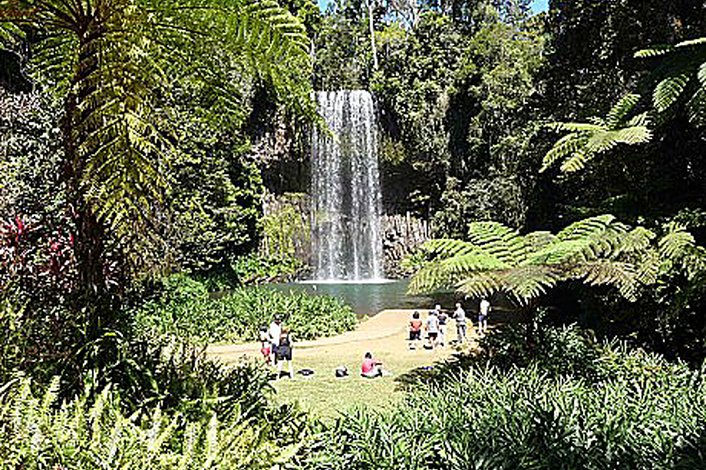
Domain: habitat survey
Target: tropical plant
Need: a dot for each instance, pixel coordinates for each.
(187, 311)
(681, 74)
(585, 141)
(614, 407)
(597, 251)
(93, 433)
(112, 64)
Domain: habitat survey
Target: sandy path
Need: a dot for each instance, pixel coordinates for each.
(385, 334)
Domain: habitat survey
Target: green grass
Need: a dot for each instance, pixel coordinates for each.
(325, 396)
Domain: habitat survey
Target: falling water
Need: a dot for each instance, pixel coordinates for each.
(346, 189)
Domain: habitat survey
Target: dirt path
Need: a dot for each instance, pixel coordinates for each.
(388, 324)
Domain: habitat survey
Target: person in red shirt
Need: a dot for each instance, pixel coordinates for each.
(370, 368)
(415, 330)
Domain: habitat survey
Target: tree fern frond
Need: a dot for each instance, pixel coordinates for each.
(530, 281)
(669, 90)
(577, 161)
(574, 126)
(649, 267)
(676, 243)
(499, 241)
(696, 107)
(655, 51)
(621, 109)
(641, 120)
(446, 247)
(564, 147)
(692, 42)
(480, 284)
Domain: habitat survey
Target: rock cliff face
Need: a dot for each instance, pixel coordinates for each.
(287, 231)
(401, 234)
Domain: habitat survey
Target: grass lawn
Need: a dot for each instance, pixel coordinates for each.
(323, 394)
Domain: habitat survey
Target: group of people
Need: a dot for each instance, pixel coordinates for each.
(276, 346)
(277, 343)
(436, 325)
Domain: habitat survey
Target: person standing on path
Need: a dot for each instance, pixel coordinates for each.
(443, 320)
(483, 312)
(460, 317)
(415, 330)
(433, 329)
(275, 333)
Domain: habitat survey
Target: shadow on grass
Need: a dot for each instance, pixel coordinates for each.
(440, 371)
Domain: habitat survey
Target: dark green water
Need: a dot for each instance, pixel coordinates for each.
(369, 299)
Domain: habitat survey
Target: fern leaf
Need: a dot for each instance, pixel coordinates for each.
(498, 241)
(576, 162)
(480, 284)
(574, 127)
(567, 145)
(655, 51)
(530, 281)
(676, 243)
(668, 91)
(621, 109)
(692, 42)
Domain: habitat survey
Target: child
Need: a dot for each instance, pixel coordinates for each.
(415, 330)
(265, 345)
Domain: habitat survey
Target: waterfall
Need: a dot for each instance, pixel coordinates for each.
(345, 188)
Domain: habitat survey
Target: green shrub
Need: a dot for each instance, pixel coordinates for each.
(616, 408)
(36, 432)
(189, 312)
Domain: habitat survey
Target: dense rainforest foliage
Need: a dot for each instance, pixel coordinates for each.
(142, 143)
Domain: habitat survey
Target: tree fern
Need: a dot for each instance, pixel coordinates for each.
(585, 141)
(680, 73)
(597, 251)
(112, 61)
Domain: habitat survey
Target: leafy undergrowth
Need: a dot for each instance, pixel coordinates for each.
(185, 308)
(36, 431)
(588, 406)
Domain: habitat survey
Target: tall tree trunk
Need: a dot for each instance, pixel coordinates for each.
(90, 300)
(372, 35)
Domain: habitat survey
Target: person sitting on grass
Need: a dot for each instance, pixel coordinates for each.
(415, 330)
(283, 353)
(371, 368)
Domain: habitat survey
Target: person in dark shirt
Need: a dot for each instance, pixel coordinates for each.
(283, 352)
(415, 330)
(443, 321)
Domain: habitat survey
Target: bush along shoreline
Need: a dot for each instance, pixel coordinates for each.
(186, 308)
